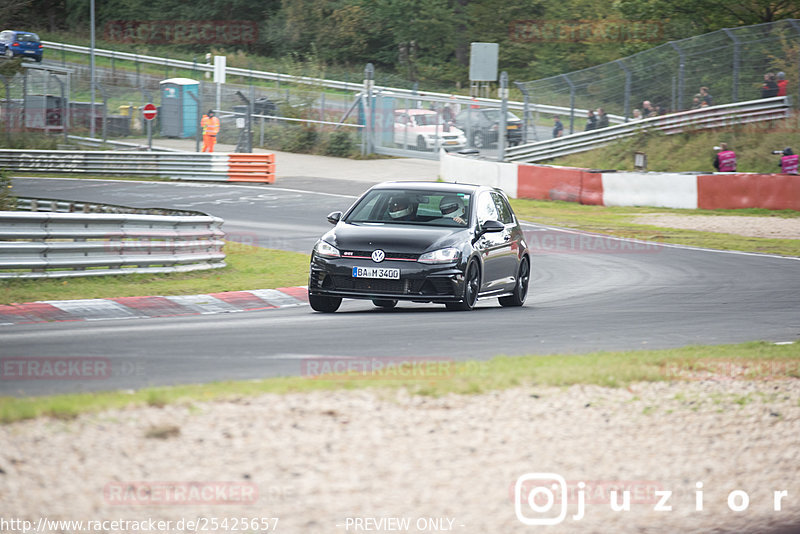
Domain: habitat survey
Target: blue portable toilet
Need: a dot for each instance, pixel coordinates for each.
(179, 113)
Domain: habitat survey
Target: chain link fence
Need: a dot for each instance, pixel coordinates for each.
(55, 97)
(730, 63)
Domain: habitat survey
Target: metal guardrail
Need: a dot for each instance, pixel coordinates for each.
(95, 142)
(68, 206)
(175, 165)
(49, 245)
(308, 80)
(767, 109)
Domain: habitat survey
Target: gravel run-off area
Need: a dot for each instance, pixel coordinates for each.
(444, 464)
(774, 227)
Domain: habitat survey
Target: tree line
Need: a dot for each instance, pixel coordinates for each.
(423, 40)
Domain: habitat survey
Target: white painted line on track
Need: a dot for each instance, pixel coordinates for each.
(536, 226)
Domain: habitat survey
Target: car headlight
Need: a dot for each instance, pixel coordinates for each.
(326, 249)
(443, 255)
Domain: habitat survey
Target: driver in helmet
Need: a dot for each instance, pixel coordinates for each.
(401, 208)
(452, 207)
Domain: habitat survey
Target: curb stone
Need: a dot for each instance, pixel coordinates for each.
(48, 311)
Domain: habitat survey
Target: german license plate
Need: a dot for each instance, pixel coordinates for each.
(514, 127)
(376, 272)
(451, 142)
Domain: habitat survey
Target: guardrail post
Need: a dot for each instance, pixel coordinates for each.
(736, 47)
(525, 111)
(571, 103)
(502, 128)
(369, 82)
(627, 71)
(681, 67)
(196, 99)
(796, 26)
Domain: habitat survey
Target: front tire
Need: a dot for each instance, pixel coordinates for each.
(472, 285)
(324, 304)
(521, 289)
(422, 146)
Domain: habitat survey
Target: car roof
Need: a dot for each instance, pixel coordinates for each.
(431, 186)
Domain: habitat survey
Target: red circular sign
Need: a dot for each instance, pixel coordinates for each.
(149, 111)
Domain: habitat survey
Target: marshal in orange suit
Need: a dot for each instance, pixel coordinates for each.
(210, 124)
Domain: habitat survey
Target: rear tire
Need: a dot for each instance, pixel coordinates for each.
(324, 304)
(472, 285)
(9, 53)
(521, 289)
(384, 303)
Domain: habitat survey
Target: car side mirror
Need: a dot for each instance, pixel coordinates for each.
(489, 227)
(334, 217)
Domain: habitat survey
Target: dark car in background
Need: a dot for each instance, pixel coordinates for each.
(481, 126)
(423, 242)
(17, 43)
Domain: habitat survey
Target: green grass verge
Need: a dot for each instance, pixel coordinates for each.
(620, 222)
(248, 268)
(694, 151)
(752, 361)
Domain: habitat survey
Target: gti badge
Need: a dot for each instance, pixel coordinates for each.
(378, 256)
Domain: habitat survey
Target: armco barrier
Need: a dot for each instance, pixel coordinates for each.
(469, 170)
(220, 167)
(739, 191)
(45, 245)
(664, 190)
(650, 189)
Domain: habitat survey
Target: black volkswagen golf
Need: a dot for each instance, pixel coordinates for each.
(422, 242)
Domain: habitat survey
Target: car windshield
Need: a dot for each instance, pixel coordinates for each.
(412, 207)
(428, 119)
(494, 115)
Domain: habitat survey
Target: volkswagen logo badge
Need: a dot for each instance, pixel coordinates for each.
(378, 256)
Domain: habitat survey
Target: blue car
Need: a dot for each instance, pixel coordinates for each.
(25, 44)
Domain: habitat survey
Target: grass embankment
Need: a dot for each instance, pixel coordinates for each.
(248, 268)
(621, 222)
(694, 151)
(750, 361)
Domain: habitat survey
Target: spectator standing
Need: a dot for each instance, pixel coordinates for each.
(591, 121)
(789, 161)
(648, 110)
(637, 115)
(602, 119)
(705, 96)
(782, 82)
(725, 161)
(558, 127)
(696, 101)
(770, 87)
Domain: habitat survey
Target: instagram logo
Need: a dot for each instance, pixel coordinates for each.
(539, 491)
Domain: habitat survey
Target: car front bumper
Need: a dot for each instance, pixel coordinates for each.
(333, 277)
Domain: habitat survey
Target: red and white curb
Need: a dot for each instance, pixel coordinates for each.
(144, 307)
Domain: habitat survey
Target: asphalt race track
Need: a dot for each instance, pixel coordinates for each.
(587, 293)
